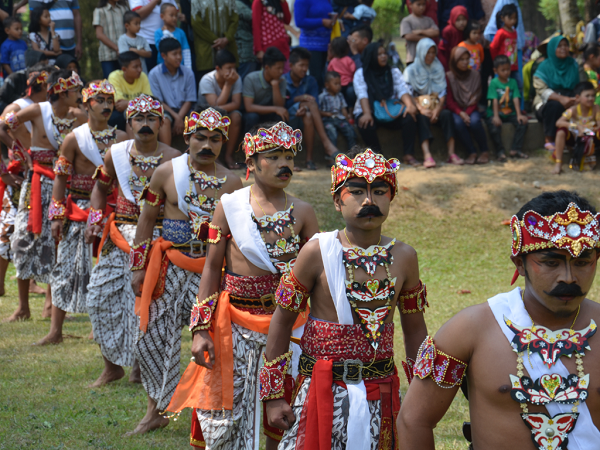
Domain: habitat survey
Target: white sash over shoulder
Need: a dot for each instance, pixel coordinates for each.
(181, 175)
(46, 109)
(24, 103)
(87, 144)
(120, 158)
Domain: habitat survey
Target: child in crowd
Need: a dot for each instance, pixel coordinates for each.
(131, 42)
(334, 110)
(579, 128)
(591, 66)
(472, 43)
(362, 14)
(504, 102)
(417, 26)
(108, 23)
(168, 14)
(42, 36)
(344, 66)
(452, 34)
(12, 51)
(505, 40)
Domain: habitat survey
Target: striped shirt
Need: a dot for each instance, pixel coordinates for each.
(110, 18)
(61, 14)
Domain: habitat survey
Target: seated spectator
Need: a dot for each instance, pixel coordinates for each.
(131, 41)
(427, 78)
(42, 36)
(417, 26)
(504, 101)
(264, 91)
(334, 110)
(129, 82)
(554, 81)
(344, 66)
(269, 18)
(472, 43)
(358, 40)
(591, 66)
(452, 34)
(301, 102)
(362, 14)
(108, 22)
(223, 88)
(168, 14)
(69, 62)
(12, 51)
(579, 129)
(376, 83)
(464, 91)
(174, 85)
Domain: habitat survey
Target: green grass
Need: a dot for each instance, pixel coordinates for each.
(451, 216)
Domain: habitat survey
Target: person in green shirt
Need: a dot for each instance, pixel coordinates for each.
(504, 107)
(591, 66)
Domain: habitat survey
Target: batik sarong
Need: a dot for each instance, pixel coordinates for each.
(7, 220)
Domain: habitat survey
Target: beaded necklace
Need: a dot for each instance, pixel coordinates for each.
(144, 162)
(104, 137)
(61, 127)
(204, 182)
(138, 183)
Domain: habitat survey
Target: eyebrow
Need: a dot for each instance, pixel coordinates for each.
(551, 254)
(356, 184)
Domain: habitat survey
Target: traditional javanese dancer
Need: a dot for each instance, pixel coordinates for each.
(190, 187)
(347, 391)
(532, 355)
(32, 243)
(231, 317)
(81, 153)
(110, 298)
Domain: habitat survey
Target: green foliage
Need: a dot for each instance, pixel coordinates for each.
(389, 14)
(90, 65)
(550, 10)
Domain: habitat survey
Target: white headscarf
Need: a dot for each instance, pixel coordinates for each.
(425, 79)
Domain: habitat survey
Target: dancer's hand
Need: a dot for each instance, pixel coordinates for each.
(280, 414)
(91, 233)
(203, 343)
(56, 227)
(136, 281)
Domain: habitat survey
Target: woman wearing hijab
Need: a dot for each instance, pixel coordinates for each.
(464, 91)
(374, 82)
(554, 81)
(427, 77)
(269, 18)
(453, 33)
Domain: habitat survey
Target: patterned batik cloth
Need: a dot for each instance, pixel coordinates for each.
(71, 273)
(33, 256)
(7, 222)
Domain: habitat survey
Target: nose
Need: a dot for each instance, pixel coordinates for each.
(369, 198)
(566, 276)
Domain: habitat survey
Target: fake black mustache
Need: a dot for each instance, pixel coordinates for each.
(206, 152)
(370, 210)
(145, 130)
(108, 111)
(283, 171)
(566, 290)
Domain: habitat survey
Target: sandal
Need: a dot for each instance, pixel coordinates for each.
(310, 165)
(517, 154)
(429, 163)
(455, 159)
(484, 158)
(411, 161)
(471, 159)
(502, 157)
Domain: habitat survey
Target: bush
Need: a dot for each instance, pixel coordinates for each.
(389, 15)
(550, 10)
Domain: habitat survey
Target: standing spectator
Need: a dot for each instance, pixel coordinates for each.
(149, 11)
(452, 34)
(334, 110)
(362, 14)
(131, 41)
(591, 67)
(108, 22)
(67, 19)
(464, 91)
(492, 25)
(12, 51)
(244, 39)
(42, 36)
(315, 18)
(358, 40)
(223, 88)
(174, 85)
(474, 10)
(269, 18)
(430, 11)
(214, 23)
(344, 66)
(472, 43)
(417, 26)
(374, 82)
(168, 14)
(505, 40)
(6, 10)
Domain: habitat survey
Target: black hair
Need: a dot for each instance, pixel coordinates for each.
(500, 60)
(39, 67)
(592, 49)
(299, 54)
(129, 16)
(550, 203)
(224, 57)
(507, 10)
(330, 75)
(168, 45)
(14, 87)
(8, 22)
(471, 26)
(272, 56)
(367, 2)
(364, 31)
(53, 78)
(340, 47)
(34, 17)
(418, 1)
(62, 61)
(166, 6)
(103, 3)
(583, 86)
(127, 58)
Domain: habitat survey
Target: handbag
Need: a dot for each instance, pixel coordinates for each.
(428, 101)
(388, 110)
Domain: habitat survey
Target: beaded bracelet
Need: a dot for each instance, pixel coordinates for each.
(138, 255)
(95, 216)
(445, 370)
(57, 209)
(214, 234)
(413, 300)
(291, 294)
(101, 175)
(202, 313)
(272, 377)
(63, 166)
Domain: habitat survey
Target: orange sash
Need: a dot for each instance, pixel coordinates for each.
(115, 236)
(34, 223)
(75, 213)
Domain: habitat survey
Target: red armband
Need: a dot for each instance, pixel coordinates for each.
(150, 197)
(202, 313)
(95, 216)
(63, 166)
(414, 300)
(445, 370)
(214, 234)
(138, 255)
(101, 176)
(18, 151)
(57, 209)
(291, 294)
(272, 377)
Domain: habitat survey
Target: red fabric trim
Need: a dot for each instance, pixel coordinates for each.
(75, 213)
(34, 223)
(14, 168)
(272, 432)
(319, 414)
(196, 436)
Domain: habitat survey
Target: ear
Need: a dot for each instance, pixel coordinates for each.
(519, 263)
(187, 138)
(337, 201)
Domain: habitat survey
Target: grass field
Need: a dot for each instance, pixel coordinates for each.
(451, 215)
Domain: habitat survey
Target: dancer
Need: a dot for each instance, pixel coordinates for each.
(81, 153)
(347, 391)
(32, 243)
(174, 266)
(231, 317)
(110, 297)
(532, 355)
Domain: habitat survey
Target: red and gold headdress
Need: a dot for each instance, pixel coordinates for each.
(210, 119)
(368, 165)
(94, 89)
(63, 85)
(279, 135)
(144, 104)
(573, 230)
(37, 78)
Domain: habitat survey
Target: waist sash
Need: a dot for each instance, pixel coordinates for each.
(34, 222)
(75, 213)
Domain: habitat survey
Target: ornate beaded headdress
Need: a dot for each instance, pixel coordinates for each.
(144, 104)
(63, 85)
(279, 135)
(94, 89)
(210, 119)
(368, 165)
(37, 78)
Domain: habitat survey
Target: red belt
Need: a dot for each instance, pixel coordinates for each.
(74, 212)
(34, 223)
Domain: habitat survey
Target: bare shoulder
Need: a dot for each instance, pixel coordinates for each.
(163, 170)
(401, 251)
(13, 107)
(311, 249)
(121, 136)
(594, 308)
(233, 183)
(300, 206)
(31, 110)
(78, 114)
(168, 152)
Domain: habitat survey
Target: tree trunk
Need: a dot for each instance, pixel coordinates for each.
(569, 16)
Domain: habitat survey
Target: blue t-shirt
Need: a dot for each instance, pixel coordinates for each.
(180, 36)
(13, 54)
(308, 85)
